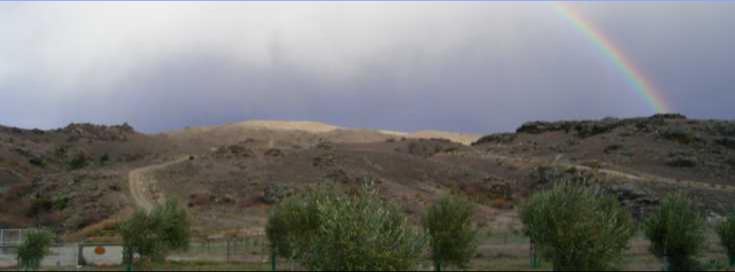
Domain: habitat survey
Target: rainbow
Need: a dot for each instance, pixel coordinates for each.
(635, 78)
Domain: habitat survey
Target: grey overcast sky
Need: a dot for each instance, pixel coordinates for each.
(468, 66)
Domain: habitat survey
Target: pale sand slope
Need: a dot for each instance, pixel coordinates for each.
(318, 127)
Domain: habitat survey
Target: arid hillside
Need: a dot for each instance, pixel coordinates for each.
(82, 179)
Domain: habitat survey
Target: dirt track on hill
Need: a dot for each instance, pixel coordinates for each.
(143, 186)
(638, 177)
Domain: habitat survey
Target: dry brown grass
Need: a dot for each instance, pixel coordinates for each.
(95, 231)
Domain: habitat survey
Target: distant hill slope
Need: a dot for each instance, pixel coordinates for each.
(302, 133)
(668, 145)
(228, 176)
(69, 177)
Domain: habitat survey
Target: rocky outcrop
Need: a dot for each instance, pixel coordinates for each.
(499, 138)
(77, 131)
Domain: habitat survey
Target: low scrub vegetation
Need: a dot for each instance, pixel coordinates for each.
(78, 162)
(578, 227)
(677, 233)
(726, 231)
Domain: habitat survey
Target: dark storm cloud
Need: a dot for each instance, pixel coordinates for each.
(475, 67)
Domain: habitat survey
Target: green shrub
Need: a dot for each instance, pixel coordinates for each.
(726, 231)
(275, 192)
(288, 222)
(452, 237)
(324, 229)
(578, 227)
(676, 230)
(39, 205)
(33, 249)
(680, 134)
(152, 235)
(37, 162)
(104, 158)
(173, 225)
(79, 161)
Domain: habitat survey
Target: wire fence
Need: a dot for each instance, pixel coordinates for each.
(65, 256)
(235, 249)
(11, 237)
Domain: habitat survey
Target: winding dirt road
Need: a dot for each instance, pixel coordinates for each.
(143, 186)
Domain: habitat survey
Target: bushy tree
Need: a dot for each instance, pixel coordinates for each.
(79, 161)
(33, 249)
(578, 227)
(329, 230)
(676, 230)
(139, 236)
(726, 231)
(288, 223)
(452, 236)
(173, 225)
(152, 235)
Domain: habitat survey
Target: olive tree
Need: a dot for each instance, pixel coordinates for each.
(288, 223)
(324, 229)
(677, 232)
(726, 231)
(452, 236)
(173, 225)
(33, 249)
(578, 227)
(152, 235)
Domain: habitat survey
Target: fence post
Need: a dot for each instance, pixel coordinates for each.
(533, 256)
(273, 260)
(227, 246)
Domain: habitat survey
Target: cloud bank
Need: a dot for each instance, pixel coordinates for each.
(473, 66)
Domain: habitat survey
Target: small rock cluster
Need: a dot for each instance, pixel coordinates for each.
(97, 132)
